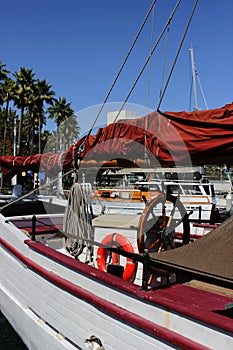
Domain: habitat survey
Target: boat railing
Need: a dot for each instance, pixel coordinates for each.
(135, 257)
(150, 262)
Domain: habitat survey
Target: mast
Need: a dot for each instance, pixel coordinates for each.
(14, 136)
(194, 74)
(196, 79)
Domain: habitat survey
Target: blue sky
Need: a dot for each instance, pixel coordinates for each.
(79, 46)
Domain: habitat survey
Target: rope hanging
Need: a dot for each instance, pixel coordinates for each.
(77, 219)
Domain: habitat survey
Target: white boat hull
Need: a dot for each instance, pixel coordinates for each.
(60, 302)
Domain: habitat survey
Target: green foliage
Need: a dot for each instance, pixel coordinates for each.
(25, 105)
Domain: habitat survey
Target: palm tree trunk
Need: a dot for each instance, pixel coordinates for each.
(32, 139)
(18, 152)
(39, 134)
(5, 127)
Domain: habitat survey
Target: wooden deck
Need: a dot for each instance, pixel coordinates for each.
(210, 288)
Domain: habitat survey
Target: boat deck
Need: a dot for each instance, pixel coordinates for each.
(210, 288)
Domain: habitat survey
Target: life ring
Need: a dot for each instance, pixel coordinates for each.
(119, 241)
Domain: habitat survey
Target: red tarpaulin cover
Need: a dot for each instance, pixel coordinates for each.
(170, 138)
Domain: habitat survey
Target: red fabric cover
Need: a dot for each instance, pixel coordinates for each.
(170, 138)
(12, 165)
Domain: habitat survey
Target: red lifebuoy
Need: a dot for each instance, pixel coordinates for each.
(119, 241)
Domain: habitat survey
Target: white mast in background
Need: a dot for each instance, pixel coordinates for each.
(195, 76)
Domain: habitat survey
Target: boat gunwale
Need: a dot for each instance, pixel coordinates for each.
(150, 296)
(105, 306)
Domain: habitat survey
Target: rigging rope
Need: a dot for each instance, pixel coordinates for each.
(148, 59)
(120, 70)
(190, 94)
(82, 146)
(164, 63)
(178, 52)
(139, 75)
(202, 91)
(149, 68)
(148, 86)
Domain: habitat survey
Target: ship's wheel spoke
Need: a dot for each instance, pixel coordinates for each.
(159, 221)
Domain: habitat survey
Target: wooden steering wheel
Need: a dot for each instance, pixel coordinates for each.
(158, 221)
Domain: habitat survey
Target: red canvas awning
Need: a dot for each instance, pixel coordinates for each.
(200, 137)
(165, 139)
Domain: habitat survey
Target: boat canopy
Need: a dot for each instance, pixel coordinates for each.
(157, 139)
(208, 259)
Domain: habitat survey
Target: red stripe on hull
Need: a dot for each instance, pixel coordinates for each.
(106, 306)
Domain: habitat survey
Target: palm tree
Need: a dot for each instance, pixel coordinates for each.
(44, 95)
(69, 130)
(7, 92)
(46, 137)
(3, 72)
(24, 81)
(59, 112)
(12, 131)
(7, 86)
(50, 141)
(31, 119)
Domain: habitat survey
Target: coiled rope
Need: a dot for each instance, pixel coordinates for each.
(77, 219)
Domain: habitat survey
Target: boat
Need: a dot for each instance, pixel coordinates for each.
(197, 195)
(72, 280)
(114, 294)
